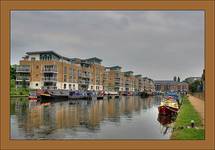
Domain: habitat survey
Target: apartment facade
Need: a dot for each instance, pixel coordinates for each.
(46, 69)
(49, 70)
(139, 84)
(114, 79)
(129, 81)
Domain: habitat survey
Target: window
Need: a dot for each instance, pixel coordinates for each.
(70, 86)
(65, 71)
(37, 67)
(91, 87)
(65, 80)
(36, 84)
(64, 86)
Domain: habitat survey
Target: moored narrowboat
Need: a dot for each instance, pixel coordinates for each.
(168, 106)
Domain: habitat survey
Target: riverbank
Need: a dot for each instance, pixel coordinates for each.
(199, 95)
(182, 129)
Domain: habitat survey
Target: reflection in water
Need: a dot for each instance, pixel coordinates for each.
(123, 118)
(166, 122)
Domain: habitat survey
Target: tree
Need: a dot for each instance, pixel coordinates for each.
(179, 79)
(175, 78)
(194, 87)
(12, 72)
(203, 80)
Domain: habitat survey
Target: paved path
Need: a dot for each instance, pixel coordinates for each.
(198, 104)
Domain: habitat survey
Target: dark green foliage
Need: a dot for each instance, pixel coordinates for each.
(195, 86)
(12, 72)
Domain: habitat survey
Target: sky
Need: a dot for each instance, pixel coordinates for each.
(156, 44)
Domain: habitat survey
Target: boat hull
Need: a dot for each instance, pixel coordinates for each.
(166, 110)
(32, 98)
(53, 98)
(100, 97)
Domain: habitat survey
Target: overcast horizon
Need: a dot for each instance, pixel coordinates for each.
(156, 44)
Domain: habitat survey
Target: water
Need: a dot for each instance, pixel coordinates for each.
(123, 118)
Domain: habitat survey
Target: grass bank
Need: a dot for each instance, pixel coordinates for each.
(186, 114)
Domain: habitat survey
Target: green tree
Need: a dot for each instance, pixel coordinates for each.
(12, 72)
(193, 87)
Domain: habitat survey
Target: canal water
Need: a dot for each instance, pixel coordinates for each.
(124, 118)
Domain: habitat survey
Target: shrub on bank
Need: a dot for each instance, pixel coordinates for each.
(19, 91)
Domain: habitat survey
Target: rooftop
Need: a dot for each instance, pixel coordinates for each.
(165, 82)
(138, 75)
(94, 59)
(47, 52)
(114, 67)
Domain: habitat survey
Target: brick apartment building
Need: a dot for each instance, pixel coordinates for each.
(47, 69)
(170, 85)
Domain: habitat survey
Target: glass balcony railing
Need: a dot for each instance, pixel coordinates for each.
(50, 70)
(22, 69)
(21, 78)
(84, 75)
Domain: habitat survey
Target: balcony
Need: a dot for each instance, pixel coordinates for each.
(50, 70)
(83, 82)
(117, 81)
(82, 75)
(23, 69)
(21, 78)
(49, 79)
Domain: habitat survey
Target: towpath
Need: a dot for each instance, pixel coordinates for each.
(198, 104)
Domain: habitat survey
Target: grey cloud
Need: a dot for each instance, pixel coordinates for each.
(158, 44)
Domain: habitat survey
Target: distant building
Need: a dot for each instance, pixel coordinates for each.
(170, 85)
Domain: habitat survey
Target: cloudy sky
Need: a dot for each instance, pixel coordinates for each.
(157, 44)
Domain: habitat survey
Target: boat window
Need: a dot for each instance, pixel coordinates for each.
(36, 84)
